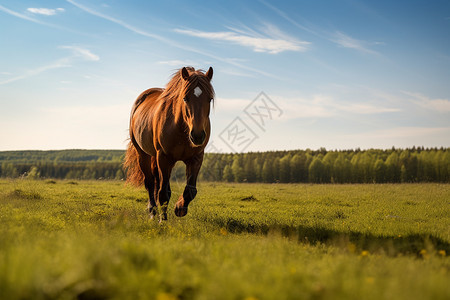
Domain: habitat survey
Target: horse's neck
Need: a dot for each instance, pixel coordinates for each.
(175, 114)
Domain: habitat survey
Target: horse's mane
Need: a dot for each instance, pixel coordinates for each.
(177, 88)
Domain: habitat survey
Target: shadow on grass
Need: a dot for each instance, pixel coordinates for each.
(19, 194)
(412, 244)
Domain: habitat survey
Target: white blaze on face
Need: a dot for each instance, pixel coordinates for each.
(197, 92)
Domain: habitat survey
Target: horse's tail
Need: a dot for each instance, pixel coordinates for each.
(135, 176)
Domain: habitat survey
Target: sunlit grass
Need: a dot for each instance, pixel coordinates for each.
(92, 239)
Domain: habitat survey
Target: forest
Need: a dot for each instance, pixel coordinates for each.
(415, 164)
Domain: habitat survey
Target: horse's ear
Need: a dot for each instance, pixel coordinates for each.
(184, 73)
(209, 74)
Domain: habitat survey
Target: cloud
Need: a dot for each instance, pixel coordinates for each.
(79, 126)
(28, 18)
(290, 20)
(168, 41)
(234, 72)
(347, 41)
(338, 37)
(177, 63)
(439, 105)
(398, 137)
(272, 45)
(62, 63)
(58, 64)
(402, 132)
(19, 15)
(317, 106)
(363, 108)
(117, 21)
(45, 11)
(323, 106)
(83, 53)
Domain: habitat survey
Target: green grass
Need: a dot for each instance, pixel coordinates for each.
(92, 239)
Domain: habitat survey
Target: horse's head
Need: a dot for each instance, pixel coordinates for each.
(197, 97)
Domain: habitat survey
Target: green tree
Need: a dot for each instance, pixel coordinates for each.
(267, 174)
(119, 175)
(9, 170)
(285, 172)
(228, 174)
(328, 163)
(299, 171)
(249, 169)
(393, 167)
(379, 171)
(341, 169)
(276, 169)
(238, 170)
(316, 171)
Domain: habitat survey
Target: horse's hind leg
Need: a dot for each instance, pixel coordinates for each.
(145, 162)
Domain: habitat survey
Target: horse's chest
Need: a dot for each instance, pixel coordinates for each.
(181, 151)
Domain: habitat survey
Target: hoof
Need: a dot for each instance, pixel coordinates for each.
(152, 212)
(181, 211)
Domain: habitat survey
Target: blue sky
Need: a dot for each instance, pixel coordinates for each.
(342, 74)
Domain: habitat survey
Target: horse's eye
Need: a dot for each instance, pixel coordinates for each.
(185, 99)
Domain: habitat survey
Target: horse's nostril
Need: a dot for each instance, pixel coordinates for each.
(198, 139)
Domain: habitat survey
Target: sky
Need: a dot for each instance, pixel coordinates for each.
(287, 74)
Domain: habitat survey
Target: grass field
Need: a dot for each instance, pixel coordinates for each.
(93, 240)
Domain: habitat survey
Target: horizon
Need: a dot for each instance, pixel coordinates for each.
(422, 148)
(291, 75)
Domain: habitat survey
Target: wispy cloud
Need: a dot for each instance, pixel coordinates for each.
(28, 18)
(66, 62)
(338, 37)
(439, 105)
(117, 21)
(82, 53)
(178, 63)
(21, 16)
(289, 19)
(401, 132)
(266, 44)
(45, 11)
(363, 108)
(347, 41)
(61, 63)
(168, 41)
(316, 106)
(407, 136)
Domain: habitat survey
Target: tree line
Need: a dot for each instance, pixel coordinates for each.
(322, 166)
(63, 164)
(306, 166)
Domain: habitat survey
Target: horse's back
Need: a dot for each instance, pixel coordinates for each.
(142, 113)
(152, 93)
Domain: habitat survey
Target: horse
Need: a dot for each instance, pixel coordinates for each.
(166, 126)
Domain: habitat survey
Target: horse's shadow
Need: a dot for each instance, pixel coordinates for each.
(411, 244)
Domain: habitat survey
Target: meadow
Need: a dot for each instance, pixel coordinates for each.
(63, 239)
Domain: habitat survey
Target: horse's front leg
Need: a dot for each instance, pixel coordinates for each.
(165, 166)
(190, 191)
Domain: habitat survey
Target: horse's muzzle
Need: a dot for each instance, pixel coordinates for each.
(197, 138)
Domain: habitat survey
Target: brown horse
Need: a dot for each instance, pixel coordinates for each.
(166, 126)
